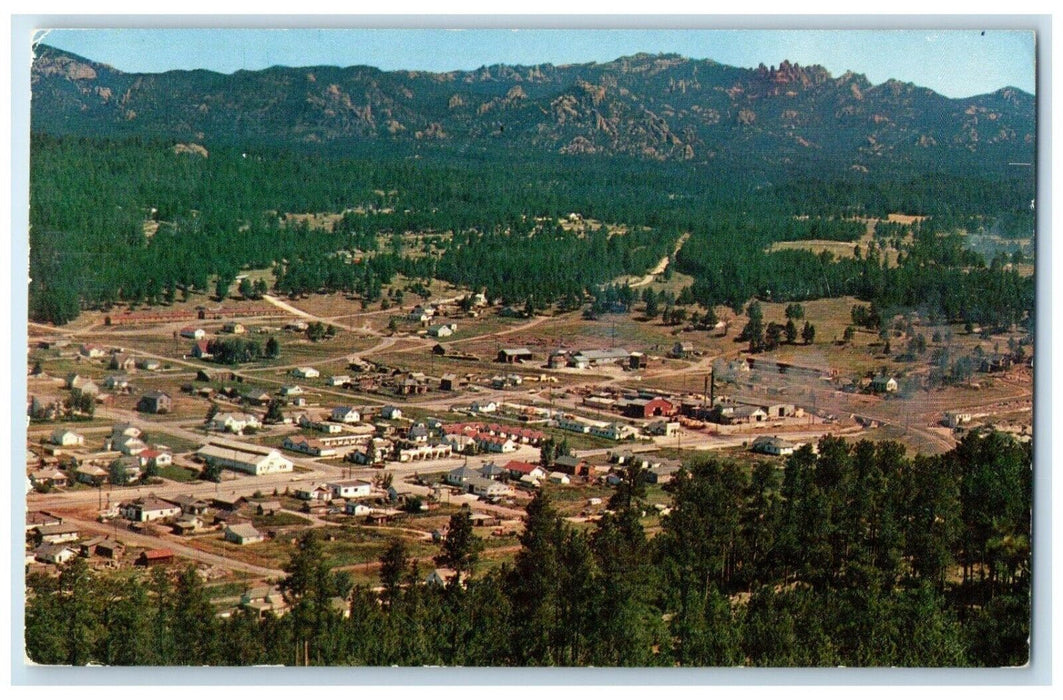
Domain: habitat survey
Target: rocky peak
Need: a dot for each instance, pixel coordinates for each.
(792, 73)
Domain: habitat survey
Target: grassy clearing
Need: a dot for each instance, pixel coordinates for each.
(175, 473)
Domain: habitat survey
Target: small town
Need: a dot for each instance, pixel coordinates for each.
(143, 452)
(646, 360)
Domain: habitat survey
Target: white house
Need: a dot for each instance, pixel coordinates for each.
(955, 419)
(354, 508)
(339, 380)
(613, 431)
(58, 533)
(355, 488)
(488, 488)
(391, 413)
(442, 330)
(67, 438)
(243, 533)
(54, 553)
(314, 494)
(773, 446)
(234, 422)
(483, 407)
(346, 414)
(306, 372)
(149, 508)
(442, 577)
(193, 333)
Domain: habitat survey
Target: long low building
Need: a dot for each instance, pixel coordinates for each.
(250, 462)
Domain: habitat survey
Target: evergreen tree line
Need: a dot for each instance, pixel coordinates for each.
(216, 215)
(855, 556)
(934, 274)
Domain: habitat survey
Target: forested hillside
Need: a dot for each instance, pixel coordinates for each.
(857, 556)
(147, 221)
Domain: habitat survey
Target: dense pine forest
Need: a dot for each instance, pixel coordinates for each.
(145, 222)
(856, 555)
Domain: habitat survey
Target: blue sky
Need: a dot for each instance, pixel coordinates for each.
(955, 63)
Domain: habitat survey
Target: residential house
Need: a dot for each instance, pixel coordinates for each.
(355, 488)
(314, 494)
(58, 533)
(124, 363)
(149, 508)
(256, 396)
(418, 433)
(193, 333)
(90, 474)
(129, 446)
(355, 508)
(442, 330)
(154, 458)
(155, 402)
(517, 469)
(483, 407)
(491, 443)
(448, 382)
(460, 476)
(492, 471)
(559, 478)
(391, 413)
(91, 351)
(54, 553)
(101, 546)
(773, 446)
(201, 350)
(67, 438)
(265, 600)
(306, 373)
(243, 533)
(339, 380)
(234, 422)
(190, 505)
(49, 477)
(234, 328)
(375, 452)
(488, 488)
(663, 473)
(188, 524)
(291, 390)
(458, 442)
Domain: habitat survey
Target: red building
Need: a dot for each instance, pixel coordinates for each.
(649, 408)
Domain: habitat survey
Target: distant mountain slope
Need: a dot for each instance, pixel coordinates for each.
(663, 107)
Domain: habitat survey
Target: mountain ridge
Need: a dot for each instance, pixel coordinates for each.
(652, 106)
